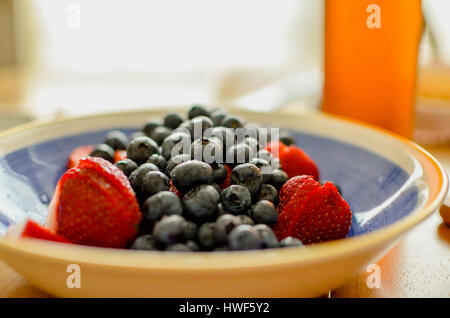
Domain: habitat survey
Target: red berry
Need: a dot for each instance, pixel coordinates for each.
(77, 154)
(175, 190)
(96, 205)
(226, 182)
(120, 155)
(34, 230)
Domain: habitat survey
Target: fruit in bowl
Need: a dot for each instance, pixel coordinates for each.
(238, 187)
(390, 184)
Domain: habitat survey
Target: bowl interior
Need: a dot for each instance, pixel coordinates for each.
(380, 191)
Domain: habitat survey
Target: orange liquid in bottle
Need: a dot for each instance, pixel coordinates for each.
(370, 73)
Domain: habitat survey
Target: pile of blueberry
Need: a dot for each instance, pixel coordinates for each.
(178, 168)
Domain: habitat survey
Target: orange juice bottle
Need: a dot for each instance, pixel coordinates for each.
(371, 50)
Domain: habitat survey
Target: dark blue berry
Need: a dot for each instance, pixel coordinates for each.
(265, 155)
(232, 122)
(178, 247)
(264, 212)
(191, 173)
(278, 178)
(176, 144)
(264, 167)
(144, 242)
(223, 226)
(160, 133)
(253, 144)
(192, 245)
(205, 236)
(116, 140)
(238, 154)
(286, 138)
(137, 134)
(138, 174)
(127, 166)
(198, 126)
(141, 148)
(267, 235)
(207, 150)
(173, 120)
(150, 125)
(169, 230)
(160, 204)
(200, 203)
(244, 237)
(103, 151)
(154, 182)
(247, 175)
(190, 230)
(197, 110)
(224, 135)
(158, 161)
(269, 193)
(290, 242)
(244, 219)
(219, 173)
(217, 116)
(221, 249)
(236, 199)
(175, 161)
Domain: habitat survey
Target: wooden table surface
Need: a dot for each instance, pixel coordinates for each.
(418, 266)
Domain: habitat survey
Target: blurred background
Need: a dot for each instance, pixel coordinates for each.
(61, 57)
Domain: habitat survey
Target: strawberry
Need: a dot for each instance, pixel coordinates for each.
(298, 184)
(314, 214)
(94, 204)
(175, 190)
(31, 229)
(226, 182)
(294, 160)
(77, 154)
(120, 155)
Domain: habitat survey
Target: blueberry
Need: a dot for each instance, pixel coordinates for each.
(160, 133)
(207, 150)
(103, 151)
(253, 144)
(215, 186)
(150, 125)
(162, 203)
(127, 166)
(264, 167)
(290, 242)
(225, 136)
(269, 193)
(265, 155)
(244, 219)
(190, 230)
(169, 230)
(116, 140)
(205, 235)
(238, 154)
(286, 138)
(247, 175)
(192, 245)
(244, 237)
(278, 178)
(197, 110)
(178, 247)
(158, 161)
(217, 116)
(232, 122)
(219, 173)
(200, 203)
(264, 212)
(191, 173)
(144, 242)
(236, 199)
(267, 235)
(138, 174)
(154, 182)
(175, 161)
(173, 120)
(176, 144)
(221, 210)
(137, 134)
(141, 148)
(199, 125)
(223, 226)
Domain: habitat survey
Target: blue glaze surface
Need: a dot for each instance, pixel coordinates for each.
(28, 177)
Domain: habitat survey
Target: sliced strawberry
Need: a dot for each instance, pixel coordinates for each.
(32, 229)
(96, 205)
(77, 154)
(120, 155)
(301, 185)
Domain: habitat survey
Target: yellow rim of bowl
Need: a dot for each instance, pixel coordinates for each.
(247, 260)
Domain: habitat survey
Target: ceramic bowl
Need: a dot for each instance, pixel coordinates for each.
(390, 183)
